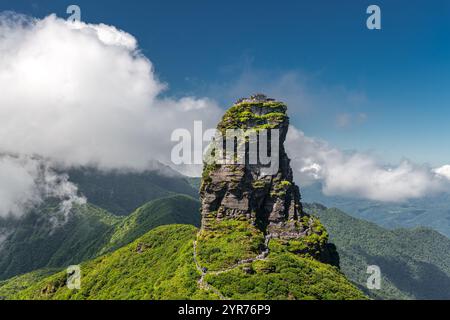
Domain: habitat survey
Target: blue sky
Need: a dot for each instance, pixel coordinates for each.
(384, 91)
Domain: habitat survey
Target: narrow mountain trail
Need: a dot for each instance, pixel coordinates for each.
(203, 284)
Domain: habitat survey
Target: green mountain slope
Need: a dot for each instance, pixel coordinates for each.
(415, 264)
(12, 286)
(177, 209)
(43, 238)
(37, 242)
(160, 265)
(123, 192)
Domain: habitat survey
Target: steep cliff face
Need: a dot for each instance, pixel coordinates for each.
(261, 205)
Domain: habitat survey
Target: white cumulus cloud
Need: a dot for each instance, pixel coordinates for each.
(79, 94)
(443, 171)
(83, 94)
(360, 175)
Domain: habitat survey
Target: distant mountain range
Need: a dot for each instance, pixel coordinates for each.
(430, 211)
(122, 192)
(414, 263)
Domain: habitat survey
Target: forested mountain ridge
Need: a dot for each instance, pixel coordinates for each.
(36, 242)
(414, 263)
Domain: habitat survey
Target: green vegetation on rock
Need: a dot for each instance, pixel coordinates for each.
(310, 245)
(285, 276)
(245, 115)
(227, 242)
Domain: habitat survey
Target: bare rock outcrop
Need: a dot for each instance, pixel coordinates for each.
(244, 191)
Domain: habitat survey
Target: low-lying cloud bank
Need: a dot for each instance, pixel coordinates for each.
(26, 182)
(361, 175)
